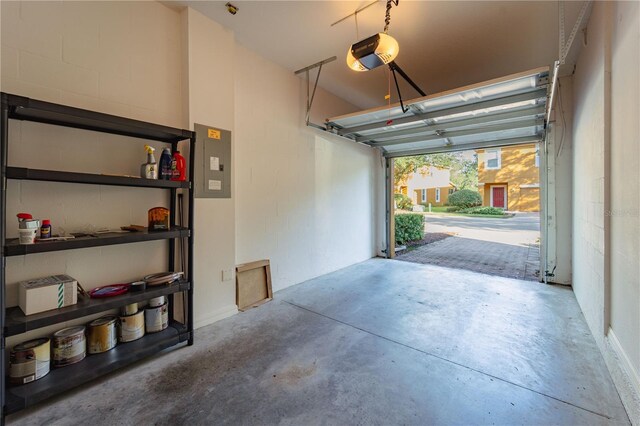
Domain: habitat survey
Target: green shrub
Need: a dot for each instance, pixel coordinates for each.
(451, 209)
(409, 227)
(465, 198)
(483, 210)
(403, 202)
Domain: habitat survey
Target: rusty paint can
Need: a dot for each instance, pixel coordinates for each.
(29, 361)
(130, 309)
(157, 302)
(131, 327)
(102, 334)
(69, 346)
(156, 319)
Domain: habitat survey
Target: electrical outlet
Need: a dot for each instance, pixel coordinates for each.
(226, 274)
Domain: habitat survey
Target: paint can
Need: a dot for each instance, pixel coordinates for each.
(131, 327)
(102, 334)
(69, 346)
(157, 302)
(29, 361)
(130, 309)
(156, 319)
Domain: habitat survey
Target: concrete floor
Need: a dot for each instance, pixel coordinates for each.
(381, 342)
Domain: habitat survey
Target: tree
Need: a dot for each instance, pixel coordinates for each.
(464, 168)
(404, 166)
(464, 173)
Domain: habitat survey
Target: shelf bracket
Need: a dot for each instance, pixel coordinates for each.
(311, 96)
(565, 46)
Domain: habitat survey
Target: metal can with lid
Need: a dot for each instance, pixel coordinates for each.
(29, 361)
(102, 334)
(69, 346)
(131, 327)
(130, 309)
(157, 302)
(156, 319)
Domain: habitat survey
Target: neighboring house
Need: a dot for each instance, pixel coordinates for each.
(509, 177)
(429, 185)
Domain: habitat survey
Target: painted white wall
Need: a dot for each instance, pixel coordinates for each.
(625, 189)
(606, 227)
(146, 61)
(209, 49)
(117, 58)
(305, 199)
(296, 192)
(588, 175)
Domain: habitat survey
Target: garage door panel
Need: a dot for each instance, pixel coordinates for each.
(399, 151)
(505, 109)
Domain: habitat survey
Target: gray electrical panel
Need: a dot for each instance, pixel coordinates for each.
(212, 162)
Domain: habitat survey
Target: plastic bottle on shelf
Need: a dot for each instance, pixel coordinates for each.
(178, 167)
(149, 170)
(165, 164)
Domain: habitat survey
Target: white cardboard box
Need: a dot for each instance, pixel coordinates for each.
(44, 294)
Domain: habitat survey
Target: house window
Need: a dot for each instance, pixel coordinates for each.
(423, 195)
(493, 160)
(538, 157)
(437, 195)
(451, 191)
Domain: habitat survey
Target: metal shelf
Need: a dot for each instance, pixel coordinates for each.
(93, 366)
(91, 179)
(14, 248)
(22, 108)
(16, 322)
(13, 322)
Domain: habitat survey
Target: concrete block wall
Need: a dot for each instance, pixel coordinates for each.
(117, 58)
(606, 184)
(305, 199)
(588, 170)
(624, 188)
(146, 61)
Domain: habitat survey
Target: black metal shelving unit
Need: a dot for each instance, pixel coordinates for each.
(13, 322)
(13, 248)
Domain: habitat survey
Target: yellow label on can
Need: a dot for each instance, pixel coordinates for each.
(213, 134)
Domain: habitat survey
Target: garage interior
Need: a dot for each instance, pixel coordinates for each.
(350, 336)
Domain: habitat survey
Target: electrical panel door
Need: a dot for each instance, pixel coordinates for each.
(212, 162)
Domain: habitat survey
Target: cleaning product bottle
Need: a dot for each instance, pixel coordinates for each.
(45, 229)
(165, 164)
(178, 167)
(149, 170)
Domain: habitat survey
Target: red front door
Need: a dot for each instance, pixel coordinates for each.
(498, 197)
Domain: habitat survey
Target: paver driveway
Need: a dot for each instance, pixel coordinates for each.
(505, 247)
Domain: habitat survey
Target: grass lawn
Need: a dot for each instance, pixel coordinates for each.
(436, 209)
(498, 216)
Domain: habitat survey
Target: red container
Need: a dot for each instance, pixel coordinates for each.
(178, 167)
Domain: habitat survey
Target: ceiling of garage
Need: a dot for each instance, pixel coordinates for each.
(443, 44)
